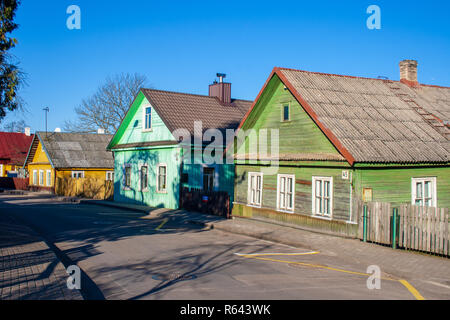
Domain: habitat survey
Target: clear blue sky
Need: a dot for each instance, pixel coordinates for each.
(180, 45)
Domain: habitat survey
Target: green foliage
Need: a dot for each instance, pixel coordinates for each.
(10, 75)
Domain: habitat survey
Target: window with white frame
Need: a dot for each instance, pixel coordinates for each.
(1, 170)
(285, 192)
(255, 183)
(322, 196)
(41, 177)
(423, 192)
(49, 178)
(161, 181)
(147, 118)
(77, 174)
(109, 175)
(143, 177)
(35, 177)
(127, 176)
(208, 179)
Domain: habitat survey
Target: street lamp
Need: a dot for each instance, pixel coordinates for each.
(46, 109)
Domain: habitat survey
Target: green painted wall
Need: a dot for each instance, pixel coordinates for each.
(303, 188)
(151, 157)
(130, 131)
(299, 135)
(394, 184)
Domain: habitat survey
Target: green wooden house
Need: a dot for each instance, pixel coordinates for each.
(343, 138)
(151, 161)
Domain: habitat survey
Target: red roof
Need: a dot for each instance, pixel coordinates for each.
(14, 147)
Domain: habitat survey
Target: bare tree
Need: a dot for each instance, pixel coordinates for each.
(108, 106)
(15, 126)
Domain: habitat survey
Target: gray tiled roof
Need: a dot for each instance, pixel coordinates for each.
(181, 110)
(379, 120)
(77, 150)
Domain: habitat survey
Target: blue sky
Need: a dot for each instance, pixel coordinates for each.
(181, 45)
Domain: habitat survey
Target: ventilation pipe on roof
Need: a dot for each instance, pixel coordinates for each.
(221, 90)
(408, 72)
(27, 131)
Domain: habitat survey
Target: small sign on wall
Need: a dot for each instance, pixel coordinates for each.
(345, 174)
(367, 194)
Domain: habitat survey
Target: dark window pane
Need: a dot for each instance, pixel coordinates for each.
(286, 113)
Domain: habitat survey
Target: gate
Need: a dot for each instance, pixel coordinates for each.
(210, 202)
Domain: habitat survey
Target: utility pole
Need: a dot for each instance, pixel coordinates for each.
(46, 109)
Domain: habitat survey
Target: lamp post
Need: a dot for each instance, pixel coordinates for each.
(46, 109)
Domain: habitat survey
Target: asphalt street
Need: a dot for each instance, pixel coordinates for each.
(127, 257)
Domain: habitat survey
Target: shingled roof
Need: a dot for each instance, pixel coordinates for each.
(374, 120)
(75, 150)
(181, 110)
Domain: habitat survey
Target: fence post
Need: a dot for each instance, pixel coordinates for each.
(394, 228)
(365, 223)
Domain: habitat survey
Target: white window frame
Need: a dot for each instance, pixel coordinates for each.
(1, 170)
(35, 178)
(422, 180)
(313, 200)
(109, 176)
(213, 187)
(41, 181)
(144, 118)
(158, 190)
(47, 174)
(250, 189)
(286, 192)
(74, 174)
(140, 176)
(124, 177)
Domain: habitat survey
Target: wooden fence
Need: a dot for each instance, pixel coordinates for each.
(85, 187)
(211, 202)
(407, 226)
(14, 183)
(378, 222)
(424, 229)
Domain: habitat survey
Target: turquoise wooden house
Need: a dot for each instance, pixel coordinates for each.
(151, 162)
(343, 138)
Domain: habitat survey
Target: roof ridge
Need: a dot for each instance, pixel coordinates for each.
(355, 77)
(191, 94)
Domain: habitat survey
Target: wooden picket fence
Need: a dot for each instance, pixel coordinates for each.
(424, 229)
(418, 228)
(378, 222)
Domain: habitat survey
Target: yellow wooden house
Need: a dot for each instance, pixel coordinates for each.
(56, 160)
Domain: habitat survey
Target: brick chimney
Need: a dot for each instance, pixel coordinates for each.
(408, 72)
(221, 90)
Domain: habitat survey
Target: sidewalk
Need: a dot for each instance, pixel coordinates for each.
(399, 263)
(29, 269)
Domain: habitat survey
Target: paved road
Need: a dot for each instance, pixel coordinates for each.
(125, 257)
